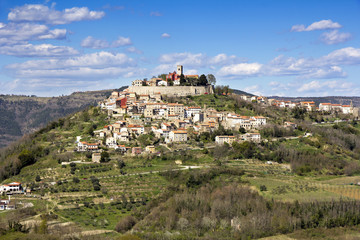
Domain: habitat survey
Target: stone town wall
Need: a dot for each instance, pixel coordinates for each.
(172, 91)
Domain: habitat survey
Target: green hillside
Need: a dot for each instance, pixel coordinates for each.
(21, 115)
(294, 183)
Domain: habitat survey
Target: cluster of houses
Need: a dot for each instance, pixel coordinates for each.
(138, 114)
(173, 78)
(308, 105)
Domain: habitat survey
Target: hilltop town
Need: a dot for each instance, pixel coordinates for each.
(136, 113)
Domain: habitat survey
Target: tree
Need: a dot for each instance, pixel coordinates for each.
(163, 76)
(211, 79)
(203, 80)
(26, 157)
(38, 178)
(90, 131)
(76, 180)
(170, 82)
(242, 130)
(85, 116)
(121, 164)
(105, 157)
(182, 80)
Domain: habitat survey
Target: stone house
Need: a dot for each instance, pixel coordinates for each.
(178, 136)
(224, 139)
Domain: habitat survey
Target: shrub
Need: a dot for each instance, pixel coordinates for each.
(37, 178)
(125, 224)
(263, 188)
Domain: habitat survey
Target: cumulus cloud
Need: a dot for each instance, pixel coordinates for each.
(334, 37)
(90, 42)
(20, 32)
(89, 71)
(165, 35)
(320, 25)
(15, 37)
(324, 86)
(343, 56)
(121, 41)
(325, 67)
(240, 70)
(41, 50)
(42, 13)
(198, 60)
(302, 68)
(254, 89)
(230, 66)
(133, 49)
(98, 65)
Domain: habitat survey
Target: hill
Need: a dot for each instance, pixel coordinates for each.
(293, 182)
(21, 115)
(330, 99)
(240, 92)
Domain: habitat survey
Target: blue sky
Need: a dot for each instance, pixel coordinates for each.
(285, 48)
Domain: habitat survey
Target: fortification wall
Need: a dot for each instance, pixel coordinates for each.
(172, 91)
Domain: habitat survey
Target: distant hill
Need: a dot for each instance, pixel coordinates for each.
(317, 100)
(21, 115)
(239, 92)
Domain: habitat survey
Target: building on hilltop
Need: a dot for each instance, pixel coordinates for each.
(14, 187)
(224, 139)
(180, 69)
(178, 136)
(137, 82)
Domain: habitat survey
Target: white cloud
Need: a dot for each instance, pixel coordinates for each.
(133, 49)
(20, 32)
(54, 34)
(320, 25)
(222, 59)
(334, 85)
(189, 59)
(163, 68)
(42, 13)
(198, 60)
(165, 35)
(254, 89)
(98, 65)
(343, 56)
(334, 37)
(89, 71)
(15, 37)
(90, 42)
(121, 41)
(303, 68)
(240, 70)
(41, 50)
(325, 67)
